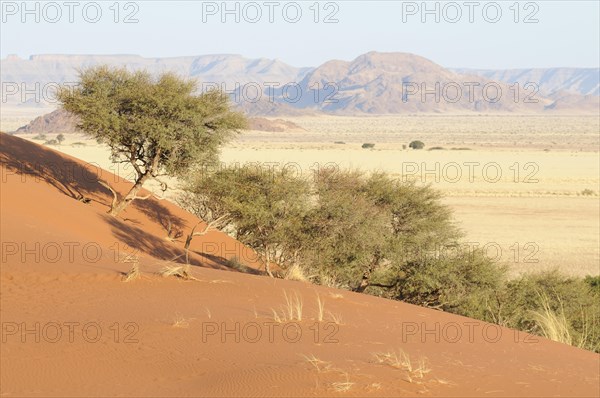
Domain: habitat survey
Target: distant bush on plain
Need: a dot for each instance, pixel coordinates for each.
(416, 145)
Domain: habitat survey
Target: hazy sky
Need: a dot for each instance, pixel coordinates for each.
(559, 33)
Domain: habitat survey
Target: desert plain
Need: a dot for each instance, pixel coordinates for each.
(525, 187)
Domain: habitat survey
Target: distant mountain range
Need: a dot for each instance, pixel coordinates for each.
(61, 121)
(373, 83)
(585, 81)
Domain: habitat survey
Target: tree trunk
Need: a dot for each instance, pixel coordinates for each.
(366, 279)
(268, 262)
(188, 241)
(120, 204)
(211, 225)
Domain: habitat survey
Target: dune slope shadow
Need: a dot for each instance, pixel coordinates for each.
(173, 225)
(77, 180)
(145, 228)
(138, 242)
(229, 264)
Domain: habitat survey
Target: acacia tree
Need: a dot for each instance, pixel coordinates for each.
(263, 208)
(368, 232)
(156, 125)
(346, 231)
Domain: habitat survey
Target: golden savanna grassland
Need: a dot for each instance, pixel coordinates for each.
(525, 187)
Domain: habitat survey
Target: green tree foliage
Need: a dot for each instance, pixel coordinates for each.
(347, 233)
(574, 300)
(377, 235)
(462, 282)
(264, 208)
(157, 125)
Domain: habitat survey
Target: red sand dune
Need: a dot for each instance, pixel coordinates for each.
(71, 327)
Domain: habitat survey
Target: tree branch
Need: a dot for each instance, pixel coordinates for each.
(221, 221)
(215, 224)
(115, 193)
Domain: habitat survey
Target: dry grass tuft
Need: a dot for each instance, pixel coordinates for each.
(342, 386)
(319, 364)
(374, 386)
(134, 273)
(401, 360)
(277, 318)
(332, 282)
(335, 318)
(181, 322)
(178, 271)
(291, 311)
(320, 309)
(296, 273)
(554, 325)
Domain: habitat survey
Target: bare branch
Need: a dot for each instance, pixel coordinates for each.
(169, 227)
(115, 193)
(151, 194)
(163, 185)
(215, 224)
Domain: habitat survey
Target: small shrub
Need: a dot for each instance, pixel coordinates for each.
(416, 145)
(368, 145)
(41, 137)
(436, 148)
(588, 192)
(78, 143)
(594, 283)
(51, 142)
(60, 138)
(340, 142)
